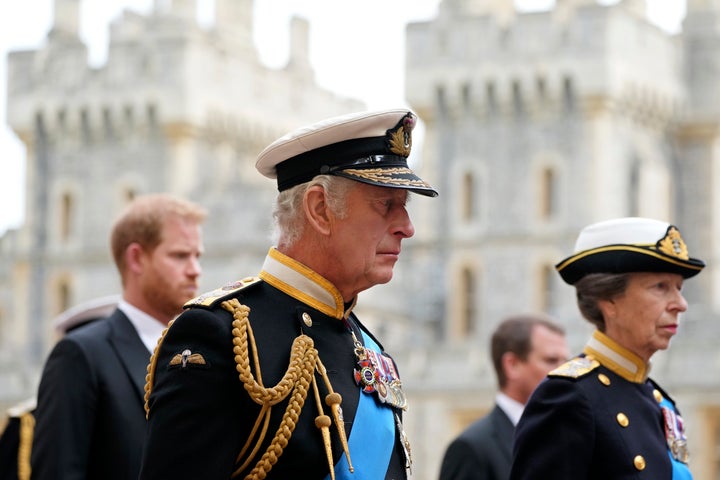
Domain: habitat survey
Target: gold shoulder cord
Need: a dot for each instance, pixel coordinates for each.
(27, 427)
(304, 361)
(150, 377)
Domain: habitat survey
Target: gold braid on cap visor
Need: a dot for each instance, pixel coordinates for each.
(649, 250)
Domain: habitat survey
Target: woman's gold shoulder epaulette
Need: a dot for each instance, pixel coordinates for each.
(575, 368)
(210, 298)
(20, 409)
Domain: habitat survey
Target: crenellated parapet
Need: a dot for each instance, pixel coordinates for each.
(181, 105)
(541, 63)
(161, 68)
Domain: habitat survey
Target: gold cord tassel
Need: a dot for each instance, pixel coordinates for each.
(323, 423)
(334, 400)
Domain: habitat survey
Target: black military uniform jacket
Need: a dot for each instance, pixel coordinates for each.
(596, 417)
(199, 411)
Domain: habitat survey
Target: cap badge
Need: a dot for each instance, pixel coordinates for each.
(400, 137)
(673, 245)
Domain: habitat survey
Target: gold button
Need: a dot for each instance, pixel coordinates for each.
(604, 379)
(307, 320)
(639, 462)
(622, 419)
(658, 396)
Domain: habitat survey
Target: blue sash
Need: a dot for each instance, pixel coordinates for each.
(372, 437)
(673, 423)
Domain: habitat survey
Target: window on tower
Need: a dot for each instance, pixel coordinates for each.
(548, 193)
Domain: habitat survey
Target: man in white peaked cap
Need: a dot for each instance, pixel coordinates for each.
(274, 376)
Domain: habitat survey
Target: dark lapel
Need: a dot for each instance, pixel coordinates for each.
(129, 349)
(504, 431)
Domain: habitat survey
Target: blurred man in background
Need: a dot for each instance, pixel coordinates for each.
(524, 349)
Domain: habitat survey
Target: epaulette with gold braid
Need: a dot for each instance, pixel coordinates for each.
(575, 368)
(209, 299)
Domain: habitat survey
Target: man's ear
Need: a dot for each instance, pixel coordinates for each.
(509, 362)
(134, 257)
(316, 209)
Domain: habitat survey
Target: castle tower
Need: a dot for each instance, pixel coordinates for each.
(502, 11)
(536, 127)
(580, 118)
(66, 20)
(177, 107)
(233, 20)
(299, 60)
(698, 134)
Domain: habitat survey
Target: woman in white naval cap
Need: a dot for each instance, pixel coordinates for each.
(600, 416)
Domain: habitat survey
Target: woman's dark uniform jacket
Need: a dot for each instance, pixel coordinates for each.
(588, 420)
(200, 416)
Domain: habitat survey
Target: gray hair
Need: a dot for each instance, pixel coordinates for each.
(288, 210)
(594, 287)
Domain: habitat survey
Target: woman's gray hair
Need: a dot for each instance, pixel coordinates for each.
(594, 287)
(288, 210)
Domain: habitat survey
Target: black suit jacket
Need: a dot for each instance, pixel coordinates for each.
(482, 452)
(90, 421)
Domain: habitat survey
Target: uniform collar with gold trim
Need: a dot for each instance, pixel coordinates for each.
(618, 359)
(300, 282)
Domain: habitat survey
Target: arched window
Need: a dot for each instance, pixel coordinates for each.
(466, 95)
(541, 88)
(713, 421)
(441, 99)
(151, 112)
(634, 190)
(546, 293)
(465, 324)
(107, 123)
(62, 119)
(568, 94)
(517, 99)
(85, 130)
(491, 97)
(468, 207)
(548, 193)
(3, 327)
(129, 115)
(67, 212)
(64, 295)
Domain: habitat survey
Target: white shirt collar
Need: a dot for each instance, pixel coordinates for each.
(512, 408)
(148, 328)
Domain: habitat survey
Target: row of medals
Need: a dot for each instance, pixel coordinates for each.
(375, 373)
